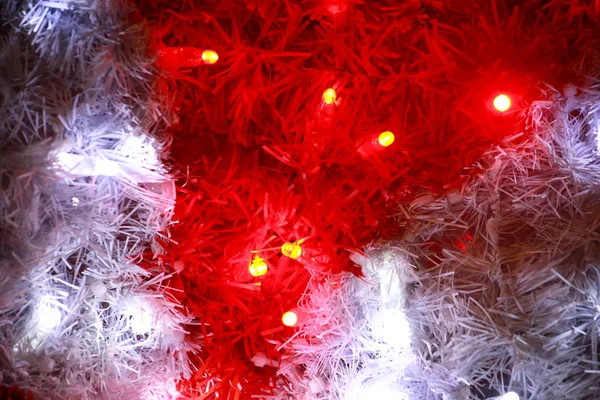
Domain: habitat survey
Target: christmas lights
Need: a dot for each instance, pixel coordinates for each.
(502, 103)
(386, 138)
(376, 143)
(291, 250)
(96, 201)
(210, 56)
(258, 267)
(93, 265)
(49, 317)
(329, 96)
(390, 326)
(141, 319)
(289, 318)
(174, 58)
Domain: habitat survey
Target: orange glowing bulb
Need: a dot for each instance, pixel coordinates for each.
(329, 96)
(291, 250)
(386, 138)
(289, 318)
(210, 56)
(502, 103)
(258, 267)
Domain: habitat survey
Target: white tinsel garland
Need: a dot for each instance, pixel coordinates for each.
(507, 306)
(84, 195)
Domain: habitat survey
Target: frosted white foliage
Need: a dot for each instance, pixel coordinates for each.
(84, 196)
(356, 340)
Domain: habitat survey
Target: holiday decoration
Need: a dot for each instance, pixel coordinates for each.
(174, 58)
(377, 143)
(291, 250)
(502, 103)
(313, 200)
(289, 318)
(258, 267)
(386, 138)
(85, 200)
(210, 56)
(329, 96)
(489, 314)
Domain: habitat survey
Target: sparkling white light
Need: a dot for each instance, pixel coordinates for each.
(49, 317)
(510, 396)
(142, 320)
(391, 327)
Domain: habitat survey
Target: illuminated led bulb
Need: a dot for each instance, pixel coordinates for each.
(141, 320)
(329, 96)
(289, 318)
(386, 138)
(391, 327)
(502, 103)
(210, 56)
(291, 250)
(258, 267)
(49, 318)
(510, 396)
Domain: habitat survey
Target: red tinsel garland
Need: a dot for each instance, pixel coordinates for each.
(263, 161)
(14, 393)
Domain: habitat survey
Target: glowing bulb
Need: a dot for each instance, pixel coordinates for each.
(210, 56)
(258, 267)
(386, 138)
(289, 318)
(329, 96)
(141, 321)
(392, 327)
(291, 250)
(502, 103)
(510, 396)
(49, 318)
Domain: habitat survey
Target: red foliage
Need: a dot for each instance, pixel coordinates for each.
(264, 162)
(14, 393)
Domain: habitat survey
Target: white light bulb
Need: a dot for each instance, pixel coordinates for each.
(48, 318)
(391, 327)
(75, 201)
(141, 320)
(510, 396)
